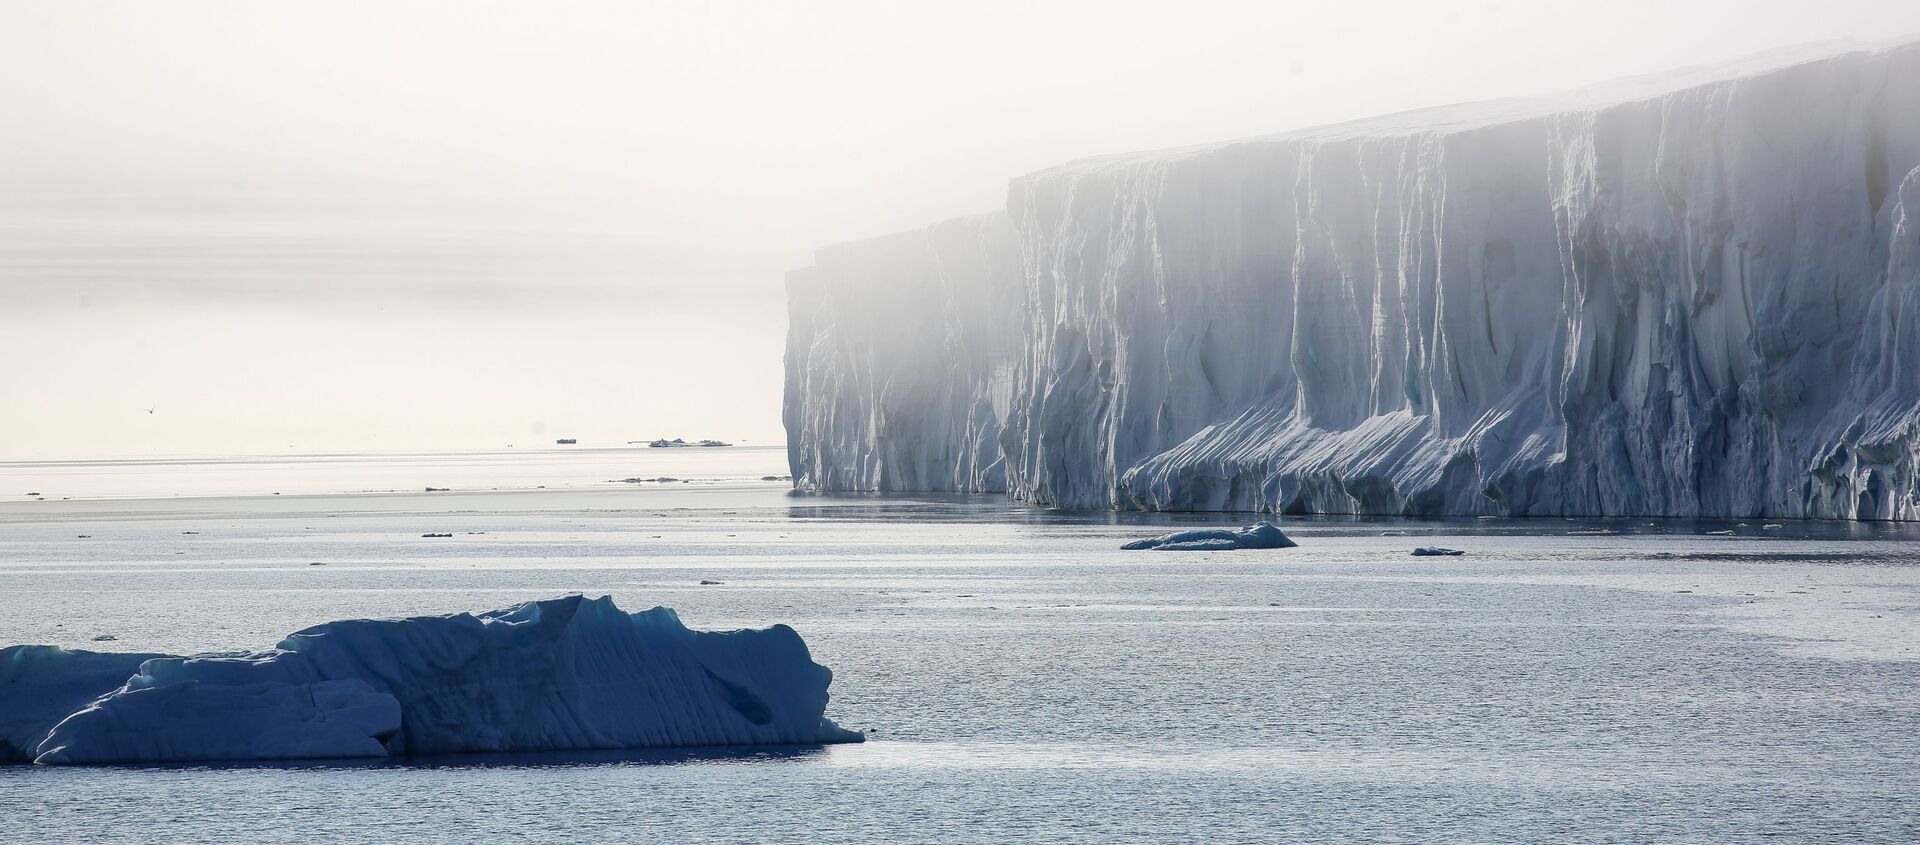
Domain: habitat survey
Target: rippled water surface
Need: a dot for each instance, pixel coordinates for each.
(1565, 681)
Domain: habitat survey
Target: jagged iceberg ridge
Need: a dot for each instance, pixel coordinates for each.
(564, 674)
(1693, 296)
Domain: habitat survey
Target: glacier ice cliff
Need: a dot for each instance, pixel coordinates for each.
(895, 349)
(565, 674)
(1692, 295)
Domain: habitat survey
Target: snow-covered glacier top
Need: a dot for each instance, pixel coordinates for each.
(1692, 294)
(1459, 117)
(563, 674)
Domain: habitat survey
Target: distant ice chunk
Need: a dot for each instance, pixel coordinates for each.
(1436, 551)
(558, 675)
(1260, 535)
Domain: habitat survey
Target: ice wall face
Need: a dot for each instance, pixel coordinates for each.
(899, 356)
(1694, 300)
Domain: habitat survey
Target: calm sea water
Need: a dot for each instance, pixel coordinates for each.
(1566, 681)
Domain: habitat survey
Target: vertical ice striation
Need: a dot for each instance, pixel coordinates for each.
(899, 358)
(1695, 295)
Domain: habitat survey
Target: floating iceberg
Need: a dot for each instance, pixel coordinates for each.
(1436, 551)
(1688, 295)
(42, 684)
(1260, 535)
(564, 674)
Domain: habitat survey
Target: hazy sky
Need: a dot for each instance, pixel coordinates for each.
(417, 225)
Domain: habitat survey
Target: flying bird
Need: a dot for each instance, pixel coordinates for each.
(149, 410)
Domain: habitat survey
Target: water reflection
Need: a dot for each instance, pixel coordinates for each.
(996, 508)
(759, 754)
(733, 754)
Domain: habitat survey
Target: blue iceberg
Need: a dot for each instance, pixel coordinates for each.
(565, 674)
(1260, 535)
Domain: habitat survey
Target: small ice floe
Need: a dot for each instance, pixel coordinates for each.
(437, 489)
(431, 535)
(1436, 551)
(105, 638)
(708, 582)
(1260, 535)
(1724, 532)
